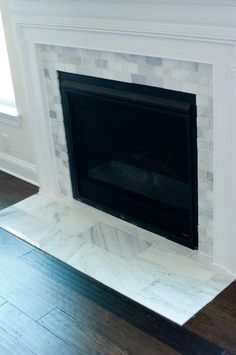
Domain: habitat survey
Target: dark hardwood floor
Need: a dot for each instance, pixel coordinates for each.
(47, 307)
(13, 190)
(217, 321)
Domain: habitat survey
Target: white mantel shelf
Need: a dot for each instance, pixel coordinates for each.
(202, 31)
(191, 12)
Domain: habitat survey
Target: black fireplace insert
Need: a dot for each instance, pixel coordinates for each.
(133, 152)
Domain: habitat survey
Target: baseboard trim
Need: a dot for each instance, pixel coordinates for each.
(19, 168)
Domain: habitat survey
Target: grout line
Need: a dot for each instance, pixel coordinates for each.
(28, 252)
(3, 302)
(20, 310)
(79, 322)
(40, 325)
(53, 309)
(55, 335)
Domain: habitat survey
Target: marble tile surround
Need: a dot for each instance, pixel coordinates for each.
(166, 73)
(152, 270)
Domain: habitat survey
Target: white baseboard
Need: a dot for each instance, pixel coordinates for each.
(19, 168)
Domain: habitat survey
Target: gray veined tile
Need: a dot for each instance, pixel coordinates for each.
(34, 202)
(115, 241)
(179, 298)
(170, 300)
(173, 263)
(63, 245)
(61, 216)
(111, 270)
(18, 222)
(217, 284)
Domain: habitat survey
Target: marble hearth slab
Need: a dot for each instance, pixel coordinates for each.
(157, 273)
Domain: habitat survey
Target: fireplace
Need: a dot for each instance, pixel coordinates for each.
(175, 47)
(133, 152)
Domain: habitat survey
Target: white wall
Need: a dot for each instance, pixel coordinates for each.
(19, 158)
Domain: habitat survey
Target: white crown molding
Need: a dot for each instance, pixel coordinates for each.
(164, 30)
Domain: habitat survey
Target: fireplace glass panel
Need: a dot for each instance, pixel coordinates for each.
(132, 152)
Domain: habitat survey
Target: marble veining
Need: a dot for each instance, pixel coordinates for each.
(36, 202)
(72, 221)
(165, 277)
(179, 264)
(114, 240)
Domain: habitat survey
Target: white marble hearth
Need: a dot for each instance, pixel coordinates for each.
(162, 275)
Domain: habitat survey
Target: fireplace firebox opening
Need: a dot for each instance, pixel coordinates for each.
(133, 152)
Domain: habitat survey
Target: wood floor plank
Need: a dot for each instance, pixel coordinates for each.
(13, 246)
(69, 301)
(23, 298)
(53, 292)
(13, 190)
(104, 301)
(54, 269)
(31, 334)
(227, 298)
(216, 323)
(131, 341)
(120, 332)
(11, 346)
(75, 333)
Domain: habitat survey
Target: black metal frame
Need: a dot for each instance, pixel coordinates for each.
(181, 103)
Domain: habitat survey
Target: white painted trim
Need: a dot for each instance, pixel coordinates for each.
(19, 168)
(208, 12)
(215, 33)
(11, 120)
(232, 224)
(9, 114)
